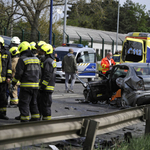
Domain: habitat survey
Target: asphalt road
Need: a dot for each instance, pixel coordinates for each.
(68, 105)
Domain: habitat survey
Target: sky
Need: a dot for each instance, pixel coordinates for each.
(143, 2)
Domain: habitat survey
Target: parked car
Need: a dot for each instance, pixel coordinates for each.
(7, 41)
(132, 78)
(85, 58)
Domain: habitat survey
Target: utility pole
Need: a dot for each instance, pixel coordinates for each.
(117, 26)
(51, 20)
(65, 18)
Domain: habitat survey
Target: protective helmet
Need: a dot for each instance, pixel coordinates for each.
(33, 45)
(14, 51)
(40, 43)
(24, 46)
(15, 40)
(2, 41)
(47, 48)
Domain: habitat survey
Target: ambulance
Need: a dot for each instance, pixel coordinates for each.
(136, 48)
(85, 58)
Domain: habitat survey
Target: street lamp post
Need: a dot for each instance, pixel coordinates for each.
(51, 19)
(117, 27)
(65, 18)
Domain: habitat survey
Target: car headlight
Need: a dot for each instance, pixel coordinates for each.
(119, 82)
(140, 85)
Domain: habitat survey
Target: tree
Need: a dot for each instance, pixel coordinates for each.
(133, 17)
(32, 10)
(102, 15)
(86, 15)
(6, 14)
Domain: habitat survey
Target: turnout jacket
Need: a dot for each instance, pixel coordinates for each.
(48, 67)
(27, 71)
(5, 65)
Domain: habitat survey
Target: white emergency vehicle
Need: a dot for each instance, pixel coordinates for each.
(85, 58)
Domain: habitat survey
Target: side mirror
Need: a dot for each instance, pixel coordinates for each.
(79, 60)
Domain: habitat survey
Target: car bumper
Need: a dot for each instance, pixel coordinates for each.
(139, 97)
(60, 75)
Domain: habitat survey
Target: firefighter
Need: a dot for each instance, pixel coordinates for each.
(14, 60)
(107, 63)
(28, 73)
(15, 41)
(33, 48)
(5, 76)
(38, 46)
(47, 83)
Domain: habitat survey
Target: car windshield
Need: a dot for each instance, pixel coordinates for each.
(132, 51)
(61, 54)
(144, 70)
(88, 57)
(7, 41)
(116, 58)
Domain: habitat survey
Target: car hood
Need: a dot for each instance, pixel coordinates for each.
(59, 64)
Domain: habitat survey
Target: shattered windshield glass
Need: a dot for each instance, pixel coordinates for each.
(142, 70)
(132, 51)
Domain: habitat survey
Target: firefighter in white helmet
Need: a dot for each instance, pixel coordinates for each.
(15, 41)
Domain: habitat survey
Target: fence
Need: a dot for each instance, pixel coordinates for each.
(18, 135)
(56, 39)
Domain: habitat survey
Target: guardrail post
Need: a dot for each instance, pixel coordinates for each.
(89, 129)
(147, 117)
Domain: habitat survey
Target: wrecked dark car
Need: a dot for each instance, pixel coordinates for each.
(128, 84)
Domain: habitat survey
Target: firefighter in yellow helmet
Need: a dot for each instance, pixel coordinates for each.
(47, 82)
(33, 48)
(14, 60)
(5, 76)
(28, 73)
(38, 46)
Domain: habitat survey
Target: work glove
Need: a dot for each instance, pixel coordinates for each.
(11, 88)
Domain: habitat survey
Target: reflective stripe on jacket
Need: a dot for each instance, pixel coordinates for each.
(105, 64)
(5, 66)
(48, 67)
(27, 72)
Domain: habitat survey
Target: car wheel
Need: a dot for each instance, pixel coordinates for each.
(123, 103)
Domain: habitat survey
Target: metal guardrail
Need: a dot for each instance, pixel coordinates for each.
(22, 134)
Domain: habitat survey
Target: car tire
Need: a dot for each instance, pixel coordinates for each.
(123, 103)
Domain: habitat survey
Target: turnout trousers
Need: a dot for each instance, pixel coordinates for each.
(44, 104)
(3, 98)
(28, 104)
